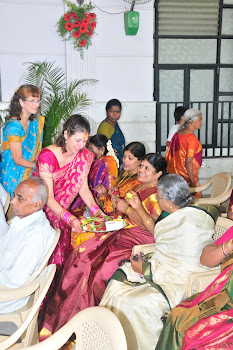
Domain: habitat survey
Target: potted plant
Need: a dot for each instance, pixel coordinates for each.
(59, 98)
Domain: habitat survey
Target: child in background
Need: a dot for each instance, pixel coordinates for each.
(178, 115)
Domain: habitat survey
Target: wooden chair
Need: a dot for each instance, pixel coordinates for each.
(26, 317)
(197, 282)
(220, 191)
(95, 328)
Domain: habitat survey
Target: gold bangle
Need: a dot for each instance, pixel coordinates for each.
(148, 221)
(128, 210)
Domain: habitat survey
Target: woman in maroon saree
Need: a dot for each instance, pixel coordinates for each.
(91, 264)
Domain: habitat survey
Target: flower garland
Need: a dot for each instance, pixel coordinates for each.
(78, 25)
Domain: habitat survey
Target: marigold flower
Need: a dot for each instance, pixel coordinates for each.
(83, 29)
(82, 42)
(92, 25)
(67, 17)
(69, 26)
(77, 34)
(92, 15)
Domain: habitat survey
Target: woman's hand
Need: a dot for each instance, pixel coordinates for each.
(76, 226)
(136, 264)
(135, 201)
(113, 191)
(120, 204)
(101, 190)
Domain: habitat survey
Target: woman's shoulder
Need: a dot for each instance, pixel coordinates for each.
(104, 128)
(47, 154)
(13, 126)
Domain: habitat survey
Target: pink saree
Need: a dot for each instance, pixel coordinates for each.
(91, 264)
(67, 181)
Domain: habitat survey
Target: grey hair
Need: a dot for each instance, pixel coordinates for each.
(190, 114)
(175, 189)
(41, 192)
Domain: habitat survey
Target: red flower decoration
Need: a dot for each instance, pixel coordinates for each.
(77, 34)
(82, 42)
(76, 24)
(72, 13)
(75, 16)
(89, 33)
(86, 14)
(92, 25)
(92, 15)
(86, 21)
(67, 17)
(69, 26)
(83, 29)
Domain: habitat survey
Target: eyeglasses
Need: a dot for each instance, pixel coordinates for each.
(34, 101)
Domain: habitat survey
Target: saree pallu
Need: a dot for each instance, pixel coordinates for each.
(103, 172)
(89, 267)
(67, 181)
(10, 173)
(181, 147)
(204, 321)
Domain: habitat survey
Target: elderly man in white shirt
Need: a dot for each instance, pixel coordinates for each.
(24, 245)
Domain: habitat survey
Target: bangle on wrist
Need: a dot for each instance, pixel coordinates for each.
(148, 221)
(128, 210)
(223, 250)
(67, 217)
(229, 246)
(94, 209)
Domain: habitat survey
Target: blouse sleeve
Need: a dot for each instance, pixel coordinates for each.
(151, 205)
(13, 131)
(192, 146)
(106, 129)
(46, 163)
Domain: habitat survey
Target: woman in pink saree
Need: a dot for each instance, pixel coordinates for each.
(64, 167)
(91, 264)
(204, 321)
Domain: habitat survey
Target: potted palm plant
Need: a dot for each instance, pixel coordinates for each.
(59, 98)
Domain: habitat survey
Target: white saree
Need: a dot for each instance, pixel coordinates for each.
(179, 239)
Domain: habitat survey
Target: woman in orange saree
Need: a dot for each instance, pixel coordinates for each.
(91, 264)
(184, 153)
(204, 321)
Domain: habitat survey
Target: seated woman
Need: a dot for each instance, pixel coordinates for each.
(103, 171)
(127, 179)
(92, 263)
(141, 293)
(205, 322)
(110, 128)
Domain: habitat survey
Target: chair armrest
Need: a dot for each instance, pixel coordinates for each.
(7, 294)
(200, 188)
(143, 248)
(198, 281)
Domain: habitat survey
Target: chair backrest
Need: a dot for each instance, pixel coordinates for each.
(7, 202)
(95, 328)
(222, 225)
(40, 288)
(47, 256)
(220, 184)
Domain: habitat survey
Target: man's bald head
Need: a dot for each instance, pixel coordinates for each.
(29, 197)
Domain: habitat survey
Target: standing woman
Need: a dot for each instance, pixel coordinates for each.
(22, 137)
(110, 128)
(184, 154)
(64, 167)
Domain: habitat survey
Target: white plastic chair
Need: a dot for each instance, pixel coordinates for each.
(26, 317)
(197, 282)
(95, 328)
(221, 184)
(7, 202)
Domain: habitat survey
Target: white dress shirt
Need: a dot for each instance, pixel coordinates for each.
(22, 249)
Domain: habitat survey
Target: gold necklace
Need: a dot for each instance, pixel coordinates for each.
(143, 187)
(125, 178)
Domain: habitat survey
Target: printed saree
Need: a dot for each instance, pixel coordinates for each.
(183, 146)
(204, 321)
(90, 266)
(115, 135)
(10, 173)
(103, 172)
(135, 300)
